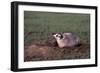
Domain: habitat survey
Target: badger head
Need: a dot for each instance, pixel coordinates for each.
(57, 35)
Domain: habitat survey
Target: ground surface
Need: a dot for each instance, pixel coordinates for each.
(37, 52)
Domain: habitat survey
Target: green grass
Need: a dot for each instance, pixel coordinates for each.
(40, 25)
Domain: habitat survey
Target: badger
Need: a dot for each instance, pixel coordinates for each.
(66, 39)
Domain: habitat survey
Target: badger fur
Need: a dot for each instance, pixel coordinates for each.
(66, 39)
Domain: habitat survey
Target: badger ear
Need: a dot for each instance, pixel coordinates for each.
(53, 33)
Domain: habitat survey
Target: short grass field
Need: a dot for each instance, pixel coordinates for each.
(38, 27)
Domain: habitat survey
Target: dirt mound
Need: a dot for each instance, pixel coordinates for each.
(38, 52)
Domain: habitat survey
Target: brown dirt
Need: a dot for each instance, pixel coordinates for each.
(39, 52)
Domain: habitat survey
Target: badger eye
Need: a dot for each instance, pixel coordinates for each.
(56, 35)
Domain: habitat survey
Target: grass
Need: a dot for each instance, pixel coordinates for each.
(38, 26)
